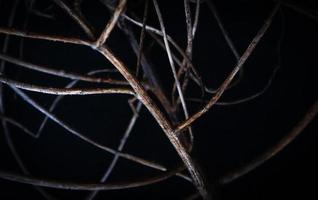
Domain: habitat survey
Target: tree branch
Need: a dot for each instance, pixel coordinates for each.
(230, 77)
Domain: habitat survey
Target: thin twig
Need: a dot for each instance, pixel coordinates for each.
(84, 186)
(64, 91)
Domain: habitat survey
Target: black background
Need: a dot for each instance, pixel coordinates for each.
(225, 138)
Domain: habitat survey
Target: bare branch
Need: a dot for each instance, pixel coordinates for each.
(64, 91)
(230, 77)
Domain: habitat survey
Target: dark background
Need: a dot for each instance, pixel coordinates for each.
(225, 138)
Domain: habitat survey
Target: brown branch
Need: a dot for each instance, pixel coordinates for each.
(230, 77)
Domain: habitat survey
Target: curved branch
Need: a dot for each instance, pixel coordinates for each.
(84, 186)
(296, 130)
